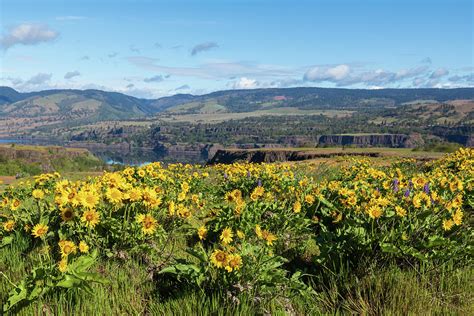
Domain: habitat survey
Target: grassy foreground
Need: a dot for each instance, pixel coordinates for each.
(282, 239)
(132, 291)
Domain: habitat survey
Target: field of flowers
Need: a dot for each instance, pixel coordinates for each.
(267, 231)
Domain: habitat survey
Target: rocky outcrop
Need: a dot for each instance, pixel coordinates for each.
(43, 156)
(466, 140)
(38, 153)
(368, 140)
(228, 156)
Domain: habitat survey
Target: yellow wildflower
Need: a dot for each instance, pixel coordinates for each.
(448, 224)
(39, 230)
(226, 236)
(400, 211)
(83, 247)
(219, 258)
(202, 232)
(38, 194)
(9, 225)
(67, 247)
(297, 207)
(90, 218)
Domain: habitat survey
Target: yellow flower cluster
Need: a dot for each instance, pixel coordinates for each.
(226, 206)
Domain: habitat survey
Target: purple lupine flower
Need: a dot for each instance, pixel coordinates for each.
(248, 174)
(410, 184)
(259, 183)
(395, 185)
(407, 193)
(225, 175)
(426, 188)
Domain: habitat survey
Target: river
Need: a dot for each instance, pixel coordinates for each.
(114, 155)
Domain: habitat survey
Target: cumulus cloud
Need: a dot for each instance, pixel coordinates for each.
(202, 47)
(245, 83)
(284, 83)
(28, 34)
(468, 79)
(343, 75)
(130, 85)
(418, 82)
(410, 72)
(438, 73)
(72, 74)
(326, 73)
(39, 79)
(157, 78)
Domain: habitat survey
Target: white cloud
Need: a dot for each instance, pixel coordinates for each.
(72, 74)
(343, 75)
(418, 82)
(438, 73)
(410, 72)
(157, 78)
(28, 34)
(325, 73)
(468, 79)
(245, 83)
(39, 79)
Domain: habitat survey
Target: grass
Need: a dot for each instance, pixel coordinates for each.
(372, 291)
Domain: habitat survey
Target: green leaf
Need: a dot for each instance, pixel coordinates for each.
(69, 281)
(435, 241)
(390, 248)
(170, 269)
(16, 295)
(37, 290)
(6, 241)
(92, 277)
(326, 202)
(197, 254)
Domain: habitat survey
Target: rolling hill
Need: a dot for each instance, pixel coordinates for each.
(32, 110)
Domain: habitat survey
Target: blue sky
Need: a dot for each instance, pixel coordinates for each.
(156, 48)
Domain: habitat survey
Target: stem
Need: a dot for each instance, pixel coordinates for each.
(9, 281)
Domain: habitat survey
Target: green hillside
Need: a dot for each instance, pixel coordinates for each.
(24, 112)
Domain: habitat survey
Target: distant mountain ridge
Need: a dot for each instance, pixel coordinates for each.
(96, 105)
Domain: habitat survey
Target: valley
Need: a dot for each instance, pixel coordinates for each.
(189, 128)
